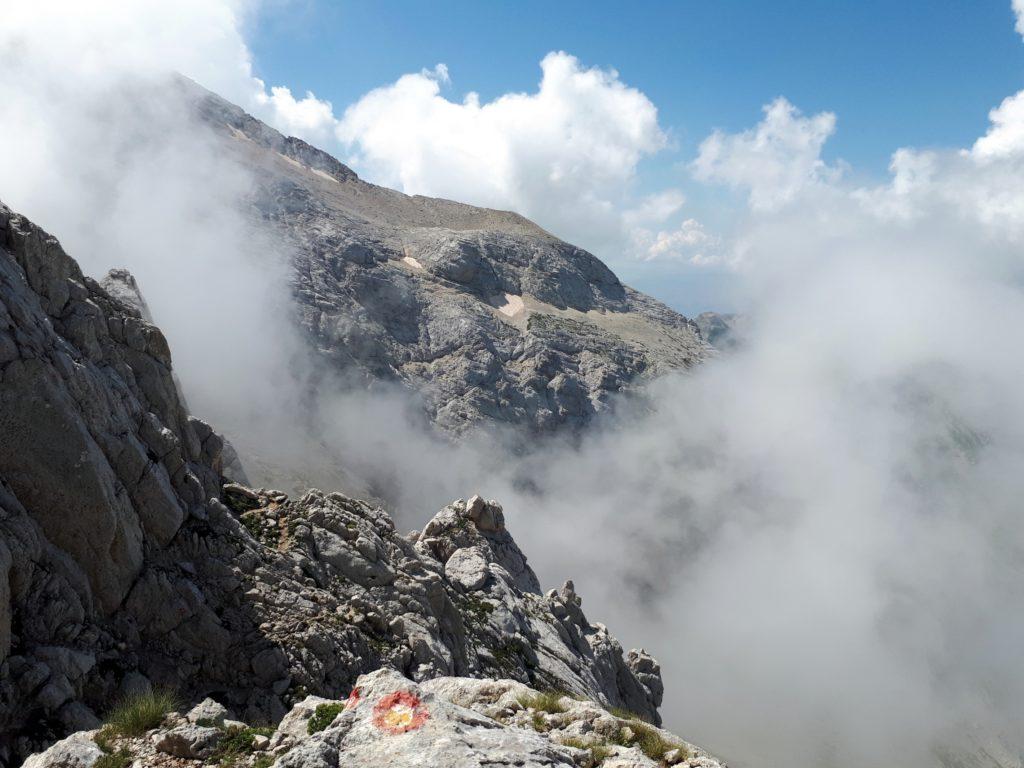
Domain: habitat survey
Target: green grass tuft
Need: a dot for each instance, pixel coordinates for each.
(323, 716)
(544, 701)
(649, 741)
(598, 752)
(627, 714)
(134, 715)
(538, 723)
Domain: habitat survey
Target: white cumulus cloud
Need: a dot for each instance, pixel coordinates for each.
(773, 161)
(656, 208)
(65, 44)
(308, 118)
(1005, 135)
(565, 155)
(690, 241)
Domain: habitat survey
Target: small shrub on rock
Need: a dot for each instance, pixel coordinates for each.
(120, 759)
(238, 744)
(649, 741)
(538, 723)
(544, 701)
(323, 716)
(627, 714)
(598, 752)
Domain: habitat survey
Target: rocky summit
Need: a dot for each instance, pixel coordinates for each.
(487, 315)
(132, 571)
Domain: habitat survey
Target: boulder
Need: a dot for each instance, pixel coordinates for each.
(76, 751)
(191, 742)
(209, 713)
(467, 569)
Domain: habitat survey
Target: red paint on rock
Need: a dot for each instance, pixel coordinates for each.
(353, 699)
(399, 712)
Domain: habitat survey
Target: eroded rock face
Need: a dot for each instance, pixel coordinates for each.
(96, 449)
(99, 463)
(128, 562)
(487, 315)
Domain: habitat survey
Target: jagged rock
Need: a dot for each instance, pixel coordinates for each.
(99, 461)
(120, 284)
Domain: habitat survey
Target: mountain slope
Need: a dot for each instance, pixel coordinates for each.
(125, 563)
(489, 316)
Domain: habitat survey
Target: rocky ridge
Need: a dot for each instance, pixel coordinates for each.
(128, 563)
(388, 719)
(489, 317)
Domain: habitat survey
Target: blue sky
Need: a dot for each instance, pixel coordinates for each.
(914, 73)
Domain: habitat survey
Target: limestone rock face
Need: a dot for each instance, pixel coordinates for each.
(96, 449)
(128, 562)
(489, 316)
(99, 463)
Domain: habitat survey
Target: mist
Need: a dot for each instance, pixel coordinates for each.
(819, 534)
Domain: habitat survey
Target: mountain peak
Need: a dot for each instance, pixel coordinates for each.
(488, 316)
